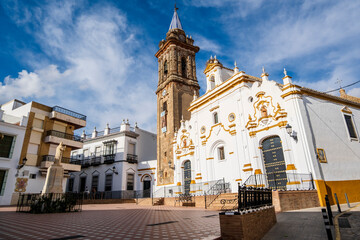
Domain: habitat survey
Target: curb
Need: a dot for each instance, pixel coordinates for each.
(336, 222)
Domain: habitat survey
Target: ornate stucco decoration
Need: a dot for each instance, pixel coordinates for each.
(217, 131)
(185, 144)
(265, 114)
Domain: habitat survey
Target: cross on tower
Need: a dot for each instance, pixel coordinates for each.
(339, 82)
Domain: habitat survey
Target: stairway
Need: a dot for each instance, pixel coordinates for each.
(159, 201)
(216, 205)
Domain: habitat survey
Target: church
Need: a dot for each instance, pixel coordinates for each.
(250, 130)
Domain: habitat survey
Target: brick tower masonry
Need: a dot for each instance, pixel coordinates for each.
(176, 88)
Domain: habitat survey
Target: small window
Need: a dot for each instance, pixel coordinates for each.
(71, 185)
(94, 183)
(109, 148)
(97, 151)
(108, 182)
(7, 144)
(164, 106)
(130, 182)
(350, 127)
(32, 176)
(321, 155)
(221, 153)
(212, 82)
(216, 119)
(183, 66)
(165, 67)
(3, 177)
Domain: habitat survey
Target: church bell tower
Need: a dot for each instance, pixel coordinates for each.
(176, 89)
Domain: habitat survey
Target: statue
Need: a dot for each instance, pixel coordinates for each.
(55, 173)
(263, 111)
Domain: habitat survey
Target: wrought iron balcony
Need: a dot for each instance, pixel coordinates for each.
(131, 158)
(51, 158)
(96, 161)
(110, 158)
(63, 135)
(69, 112)
(86, 162)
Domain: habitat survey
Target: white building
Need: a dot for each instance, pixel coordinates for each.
(12, 131)
(115, 160)
(260, 132)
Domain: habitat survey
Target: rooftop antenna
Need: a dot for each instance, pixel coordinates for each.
(338, 81)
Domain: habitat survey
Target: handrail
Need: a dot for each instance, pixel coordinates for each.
(69, 112)
(63, 135)
(214, 189)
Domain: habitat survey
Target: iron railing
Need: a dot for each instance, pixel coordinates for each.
(122, 194)
(51, 158)
(132, 158)
(63, 135)
(69, 112)
(111, 131)
(110, 158)
(215, 190)
(295, 181)
(95, 161)
(49, 202)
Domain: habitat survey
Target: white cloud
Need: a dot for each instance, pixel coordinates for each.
(100, 76)
(206, 44)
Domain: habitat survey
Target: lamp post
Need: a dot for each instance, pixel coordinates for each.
(289, 130)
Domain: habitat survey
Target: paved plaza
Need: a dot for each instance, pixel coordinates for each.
(130, 221)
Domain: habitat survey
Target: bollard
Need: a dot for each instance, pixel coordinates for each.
(337, 203)
(327, 224)
(328, 207)
(347, 200)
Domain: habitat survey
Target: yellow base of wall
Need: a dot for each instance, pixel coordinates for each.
(350, 187)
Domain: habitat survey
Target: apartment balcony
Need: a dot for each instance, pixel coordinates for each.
(70, 140)
(108, 159)
(96, 161)
(68, 116)
(67, 163)
(131, 158)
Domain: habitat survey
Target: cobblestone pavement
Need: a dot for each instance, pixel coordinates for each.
(112, 221)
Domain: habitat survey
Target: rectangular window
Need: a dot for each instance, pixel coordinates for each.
(350, 126)
(7, 144)
(82, 184)
(86, 153)
(98, 151)
(95, 183)
(130, 182)
(131, 149)
(3, 177)
(108, 182)
(221, 153)
(71, 185)
(38, 123)
(109, 148)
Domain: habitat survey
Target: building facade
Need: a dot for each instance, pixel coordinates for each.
(259, 132)
(46, 128)
(114, 161)
(12, 132)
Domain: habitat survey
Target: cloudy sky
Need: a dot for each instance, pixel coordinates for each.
(97, 57)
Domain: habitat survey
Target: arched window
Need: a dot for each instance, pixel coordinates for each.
(212, 82)
(216, 119)
(165, 67)
(183, 66)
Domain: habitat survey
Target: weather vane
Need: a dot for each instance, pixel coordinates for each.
(338, 82)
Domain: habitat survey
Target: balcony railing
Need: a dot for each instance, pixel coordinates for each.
(110, 158)
(51, 158)
(96, 161)
(69, 112)
(131, 158)
(63, 135)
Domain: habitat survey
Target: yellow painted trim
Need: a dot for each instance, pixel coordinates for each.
(206, 183)
(197, 178)
(178, 192)
(192, 192)
(192, 182)
(232, 125)
(189, 153)
(178, 184)
(247, 169)
(290, 167)
(291, 93)
(198, 174)
(279, 124)
(145, 169)
(247, 165)
(293, 183)
(139, 174)
(212, 109)
(346, 110)
(210, 158)
(287, 86)
(238, 180)
(233, 119)
(259, 185)
(211, 130)
(257, 171)
(231, 152)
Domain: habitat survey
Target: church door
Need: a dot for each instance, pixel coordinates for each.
(187, 176)
(274, 163)
(147, 188)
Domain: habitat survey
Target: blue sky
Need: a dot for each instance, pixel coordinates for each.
(97, 57)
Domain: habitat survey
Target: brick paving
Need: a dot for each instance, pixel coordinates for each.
(112, 221)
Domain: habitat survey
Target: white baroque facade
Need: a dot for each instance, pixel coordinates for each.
(256, 131)
(114, 160)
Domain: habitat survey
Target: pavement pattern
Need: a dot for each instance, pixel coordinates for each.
(112, 221)
(349, 223)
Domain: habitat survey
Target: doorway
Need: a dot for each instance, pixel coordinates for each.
(187, 176)
(146, 187)
(274, 163)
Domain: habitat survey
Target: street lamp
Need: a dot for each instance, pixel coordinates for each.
(114, 170)
(290, 132)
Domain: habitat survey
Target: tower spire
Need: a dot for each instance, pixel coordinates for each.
(175, 22)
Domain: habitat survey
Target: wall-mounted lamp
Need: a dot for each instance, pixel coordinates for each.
(172, 167)
(291, 132)
(114, 170)
(20, 166)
